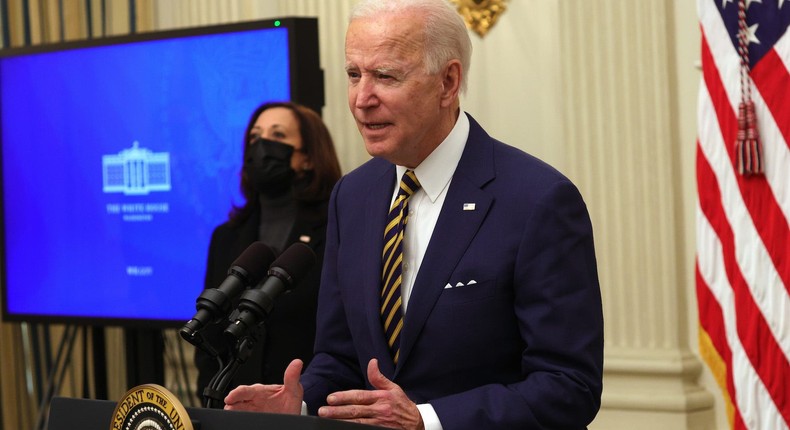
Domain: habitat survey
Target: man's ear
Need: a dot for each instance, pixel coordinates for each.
(451, 82)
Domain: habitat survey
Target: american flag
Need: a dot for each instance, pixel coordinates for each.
(743, 227)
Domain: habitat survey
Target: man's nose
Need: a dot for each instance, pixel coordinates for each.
(365, 94)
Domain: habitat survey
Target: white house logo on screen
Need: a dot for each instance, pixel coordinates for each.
(136, 171)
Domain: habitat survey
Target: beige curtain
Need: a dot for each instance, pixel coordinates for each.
(35, 22)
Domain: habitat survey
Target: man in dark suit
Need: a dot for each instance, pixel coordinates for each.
(487, 290)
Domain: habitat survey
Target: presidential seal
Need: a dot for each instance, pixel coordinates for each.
(150, 407)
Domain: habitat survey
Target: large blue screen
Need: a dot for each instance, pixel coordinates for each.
(117, 163)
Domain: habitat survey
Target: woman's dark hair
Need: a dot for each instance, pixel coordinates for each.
(317, 145)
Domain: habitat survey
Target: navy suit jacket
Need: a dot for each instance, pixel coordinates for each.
(504, 327)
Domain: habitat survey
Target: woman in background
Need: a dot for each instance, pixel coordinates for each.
(289, 169)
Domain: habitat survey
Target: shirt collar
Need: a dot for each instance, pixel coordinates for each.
(435, 172)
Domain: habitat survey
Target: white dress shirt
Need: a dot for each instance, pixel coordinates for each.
(434, 174)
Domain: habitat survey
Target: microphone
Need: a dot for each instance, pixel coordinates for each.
(213, 304)
(256, 303)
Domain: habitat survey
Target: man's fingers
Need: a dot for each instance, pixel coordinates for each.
(352, 397)
(376, 378)
(239, 394)
(292, 373)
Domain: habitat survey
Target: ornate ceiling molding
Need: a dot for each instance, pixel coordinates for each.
(480, 15)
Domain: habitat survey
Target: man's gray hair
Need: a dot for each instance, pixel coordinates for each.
(446, 36)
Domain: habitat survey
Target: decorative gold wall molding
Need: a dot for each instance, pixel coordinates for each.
(480, 15)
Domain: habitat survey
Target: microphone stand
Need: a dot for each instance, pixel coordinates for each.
(214, 392)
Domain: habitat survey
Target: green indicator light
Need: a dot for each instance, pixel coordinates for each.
(277, 23)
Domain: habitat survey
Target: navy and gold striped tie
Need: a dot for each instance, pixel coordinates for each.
(391, 312)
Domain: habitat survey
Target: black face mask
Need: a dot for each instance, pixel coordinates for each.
(268, 166)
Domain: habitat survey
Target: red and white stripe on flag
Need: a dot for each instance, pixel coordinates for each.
(743, 222)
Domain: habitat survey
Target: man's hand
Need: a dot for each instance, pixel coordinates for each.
(386, 406)
(281, 399)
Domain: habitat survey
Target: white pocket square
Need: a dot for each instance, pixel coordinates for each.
(460, 284)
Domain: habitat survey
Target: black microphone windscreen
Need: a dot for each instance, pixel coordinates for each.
(296, 261)
(256, 260)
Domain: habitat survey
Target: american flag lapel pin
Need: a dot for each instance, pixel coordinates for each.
(469, 206)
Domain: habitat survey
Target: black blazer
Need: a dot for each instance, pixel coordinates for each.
(290, 328)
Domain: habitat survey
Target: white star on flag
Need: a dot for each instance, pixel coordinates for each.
(751, 34)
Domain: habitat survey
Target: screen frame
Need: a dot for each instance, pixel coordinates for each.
(306, 85)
